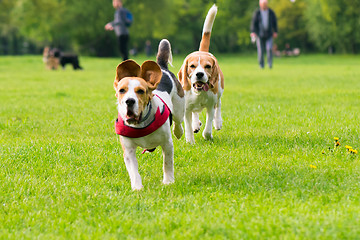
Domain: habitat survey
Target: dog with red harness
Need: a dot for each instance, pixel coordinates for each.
(149, 99)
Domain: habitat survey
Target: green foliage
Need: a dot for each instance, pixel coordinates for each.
(9, 37)
(334, 23)
(79, 25)
(189, 22)
(87, 23)
(62, 175)
(40, 20)
(291, 23)
(5, 18)
(153, 19)
(232, 26)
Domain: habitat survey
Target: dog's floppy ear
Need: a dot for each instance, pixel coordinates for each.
(183, 76)
(128, 68)
(151, 73)
(214, 78)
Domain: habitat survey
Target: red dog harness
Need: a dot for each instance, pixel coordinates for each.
(131, 132)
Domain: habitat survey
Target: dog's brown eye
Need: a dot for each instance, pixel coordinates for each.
(208, 66)
(122, 90)
(140, 91)
(192, 66)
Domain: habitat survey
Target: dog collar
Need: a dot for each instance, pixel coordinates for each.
(160, 118)
(146, 120)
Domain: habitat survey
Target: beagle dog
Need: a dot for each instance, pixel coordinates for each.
(203, 82)
(149, 98)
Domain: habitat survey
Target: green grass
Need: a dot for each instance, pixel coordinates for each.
(62, 174)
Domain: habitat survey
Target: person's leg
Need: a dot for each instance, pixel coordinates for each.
(123, 45)
(260, 43)
(269, 53)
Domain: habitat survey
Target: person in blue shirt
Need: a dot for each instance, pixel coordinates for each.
(118, 25)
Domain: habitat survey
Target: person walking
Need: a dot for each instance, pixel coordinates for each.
(119, 25)
(264, 30)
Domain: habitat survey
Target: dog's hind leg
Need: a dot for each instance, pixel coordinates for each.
(168, 167)
(217, 117)
(178, 115)
(132, 168)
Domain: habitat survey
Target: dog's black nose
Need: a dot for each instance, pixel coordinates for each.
(130, 102)
(199, 75)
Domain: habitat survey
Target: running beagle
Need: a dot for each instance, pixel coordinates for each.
(203, 82)
(149, 97)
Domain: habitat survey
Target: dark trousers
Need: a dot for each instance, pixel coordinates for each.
(123, 46)
(264, 44)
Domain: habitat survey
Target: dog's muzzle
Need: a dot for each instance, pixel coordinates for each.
(201, 86)
(131, 117)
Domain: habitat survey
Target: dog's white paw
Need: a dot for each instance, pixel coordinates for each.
(190, 140)
(217, 124)
(207, 135)
(137, 187)
(168, 180)
(196, 126)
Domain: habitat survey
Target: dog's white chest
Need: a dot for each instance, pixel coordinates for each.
(197, 102)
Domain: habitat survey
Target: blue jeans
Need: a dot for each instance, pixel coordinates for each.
(262, 45)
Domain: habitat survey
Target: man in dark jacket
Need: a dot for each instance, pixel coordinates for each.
(264, 30)
(120, 28)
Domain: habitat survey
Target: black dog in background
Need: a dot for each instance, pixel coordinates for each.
(53, 57)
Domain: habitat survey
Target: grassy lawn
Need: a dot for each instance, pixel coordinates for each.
(268, 174)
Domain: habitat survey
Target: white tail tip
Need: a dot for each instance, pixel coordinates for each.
(209, 20)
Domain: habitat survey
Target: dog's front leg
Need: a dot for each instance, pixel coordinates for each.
(218, 119)
(168, 167)
(132, 168)
(189, 134)
(208, 127)
(196, 124)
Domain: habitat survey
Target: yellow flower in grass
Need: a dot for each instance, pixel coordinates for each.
(337, 143)
(312, 166)
(353, 151)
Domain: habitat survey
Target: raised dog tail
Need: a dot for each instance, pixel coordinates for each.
(208, 24)
(164, 55)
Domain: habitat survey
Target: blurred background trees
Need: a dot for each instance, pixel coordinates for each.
(334, 24)
(26, 26)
